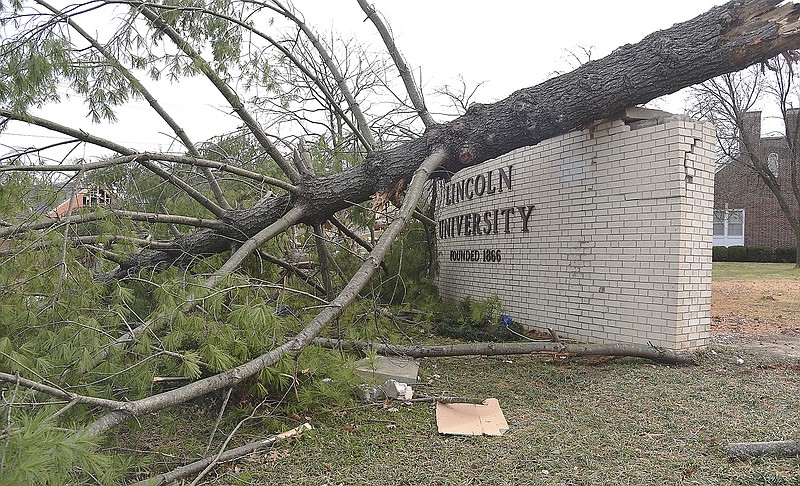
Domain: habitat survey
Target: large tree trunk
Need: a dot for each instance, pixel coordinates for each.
(725, 39)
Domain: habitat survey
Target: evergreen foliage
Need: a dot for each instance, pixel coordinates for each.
(37, 450)
(475, 320)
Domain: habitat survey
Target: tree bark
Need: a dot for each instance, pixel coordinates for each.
(661, 355)
(724, 39)
(746, 450)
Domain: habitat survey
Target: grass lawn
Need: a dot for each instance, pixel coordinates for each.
(756, 294)
(575, 422)
(727, 271)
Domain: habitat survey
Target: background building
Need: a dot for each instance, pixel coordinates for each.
(746, 212)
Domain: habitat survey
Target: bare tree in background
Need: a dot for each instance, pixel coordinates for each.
(729, 100)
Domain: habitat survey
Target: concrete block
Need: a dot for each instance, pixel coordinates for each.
(385, 368)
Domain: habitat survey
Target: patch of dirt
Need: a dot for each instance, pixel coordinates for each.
(757, 315)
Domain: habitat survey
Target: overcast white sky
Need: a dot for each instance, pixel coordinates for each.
(505, 43)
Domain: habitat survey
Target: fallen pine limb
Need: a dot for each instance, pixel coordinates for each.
(59, 393)
(226, 456)
(780, 448)
(296, 344)
(654, 353)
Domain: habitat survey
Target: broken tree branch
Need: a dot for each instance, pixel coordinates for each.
(292, 269)
(363, 127)
(350, 234)
(58, 393)
(412, 89)
(226, 456)
(746, 450)
(230, 96)
(335, 309)
(493, 349)
(100, 215)
(145, 156)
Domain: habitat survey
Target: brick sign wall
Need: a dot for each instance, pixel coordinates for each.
(603, 235)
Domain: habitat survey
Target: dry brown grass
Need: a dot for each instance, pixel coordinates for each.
(757, 307)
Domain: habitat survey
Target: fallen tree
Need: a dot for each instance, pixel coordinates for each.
(209, 199)
(725, 39)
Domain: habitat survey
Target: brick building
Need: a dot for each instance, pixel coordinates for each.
(746, 212)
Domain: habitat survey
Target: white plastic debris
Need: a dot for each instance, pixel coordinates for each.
(395, 389)
(735, 360)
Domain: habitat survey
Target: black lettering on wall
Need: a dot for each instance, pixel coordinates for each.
(505, 177)
(525, 215)
(480, 185)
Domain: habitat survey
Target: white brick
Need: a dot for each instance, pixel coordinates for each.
(619, 243)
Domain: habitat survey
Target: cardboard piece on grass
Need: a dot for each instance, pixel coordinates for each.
(385, 368)
(471, 419)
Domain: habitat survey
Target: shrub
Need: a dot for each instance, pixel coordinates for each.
(761, 254)
(737, 253)
(786, 254)
(719, 254)
(475, 320)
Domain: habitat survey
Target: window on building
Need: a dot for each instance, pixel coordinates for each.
(728, 227)
(719, 223)
(774, 163)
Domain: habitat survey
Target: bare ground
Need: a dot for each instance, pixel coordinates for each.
(760, 316)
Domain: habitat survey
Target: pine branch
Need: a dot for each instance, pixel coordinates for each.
(108, 144)
(225, 90)
(414, 93)
(295, 345)
(355, 108)
(139, 87)
(154, 156)
(332, 102)
(100, 215)
(58, 393)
